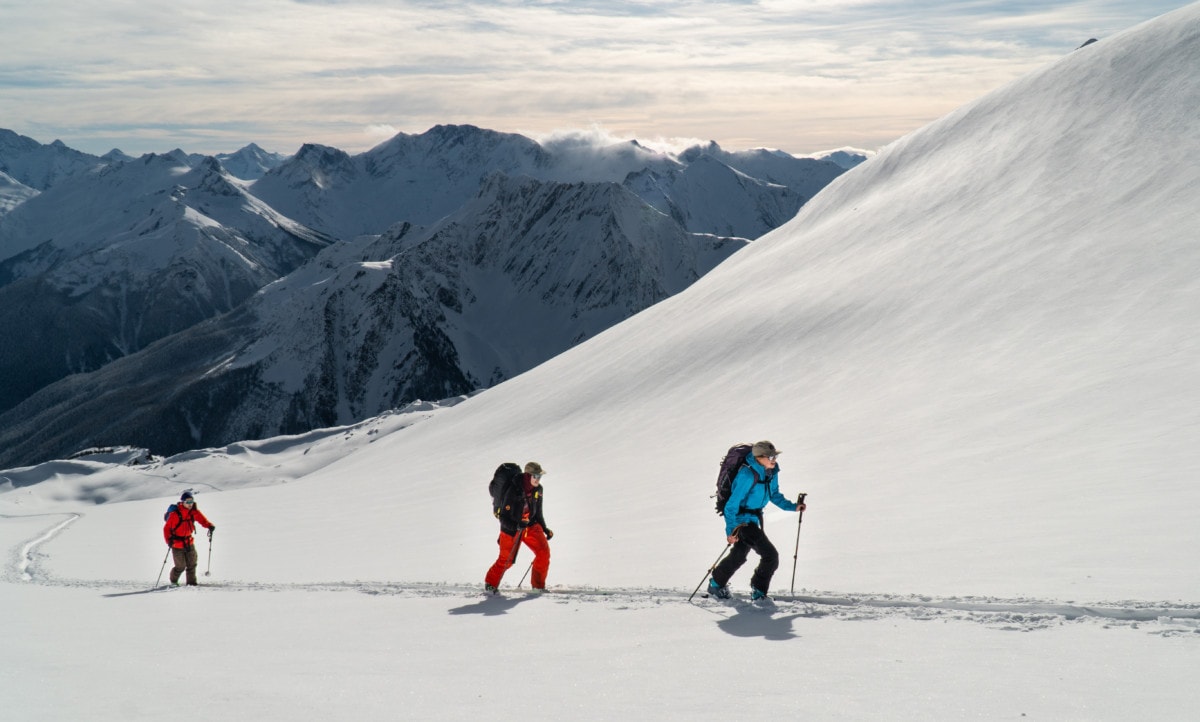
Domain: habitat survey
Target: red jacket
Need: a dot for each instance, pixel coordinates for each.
(181, 522)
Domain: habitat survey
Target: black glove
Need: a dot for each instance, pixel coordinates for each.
(211, 529)
(549, 535)
(523, 524)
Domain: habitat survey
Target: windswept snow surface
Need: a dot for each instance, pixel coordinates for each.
(978, 353)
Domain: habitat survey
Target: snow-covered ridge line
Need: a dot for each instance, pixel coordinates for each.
(130, 473)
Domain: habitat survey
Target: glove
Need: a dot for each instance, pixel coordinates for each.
(211, 529)
(549, 535)
(523, 524)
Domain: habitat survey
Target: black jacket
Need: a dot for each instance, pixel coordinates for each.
(513, 503)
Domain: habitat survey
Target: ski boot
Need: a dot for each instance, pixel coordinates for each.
(716, 591)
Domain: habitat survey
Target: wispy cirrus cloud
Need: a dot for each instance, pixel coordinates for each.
(792, 74)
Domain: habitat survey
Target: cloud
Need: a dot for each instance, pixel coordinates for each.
(382, 131)
(598, 137)
(791, 74)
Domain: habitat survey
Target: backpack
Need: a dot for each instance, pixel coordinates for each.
(734, 460)
(502, 480)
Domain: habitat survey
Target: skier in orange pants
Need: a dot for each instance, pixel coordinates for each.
(518, 506)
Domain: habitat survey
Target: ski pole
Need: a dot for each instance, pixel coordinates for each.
(512, 556)
(524, 575)
(714, 565)
(796, 551)
(164, 566)
(208, 571)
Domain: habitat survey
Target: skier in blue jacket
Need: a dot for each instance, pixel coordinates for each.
(756, 483)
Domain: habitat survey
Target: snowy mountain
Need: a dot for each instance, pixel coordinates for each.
(418, 178)
(414, 175)
(35, 167)
(41, 166)
(13, 193)
(698, 198)
(576, 158)
(522, 272)
(977, 352)
(847, 158)
(803, 176)
(104, 263)
(115, 156)
(421, 178)
(248, 163)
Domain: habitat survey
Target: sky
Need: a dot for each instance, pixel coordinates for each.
(804, 77)
(976, 353)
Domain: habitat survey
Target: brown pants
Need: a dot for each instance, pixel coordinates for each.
(185, 559)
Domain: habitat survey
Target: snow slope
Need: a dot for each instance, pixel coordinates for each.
(13, 193)
(977, 352)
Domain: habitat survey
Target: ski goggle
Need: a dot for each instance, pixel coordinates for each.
(188, 502)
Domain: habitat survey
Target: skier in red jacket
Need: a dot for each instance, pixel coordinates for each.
(181, 522)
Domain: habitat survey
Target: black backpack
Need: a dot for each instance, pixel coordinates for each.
(734, 460)
(502, 480)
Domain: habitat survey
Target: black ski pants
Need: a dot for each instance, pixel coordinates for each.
(750, 537)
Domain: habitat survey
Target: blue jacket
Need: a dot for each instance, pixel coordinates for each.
(747, 496)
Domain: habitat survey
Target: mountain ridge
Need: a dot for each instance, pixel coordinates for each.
(518, 274)
(152, 245)
(97, 281)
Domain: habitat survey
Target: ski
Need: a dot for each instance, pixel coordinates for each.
(766, 604)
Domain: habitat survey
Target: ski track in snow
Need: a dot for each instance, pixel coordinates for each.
(1023, 615)
(25, 557)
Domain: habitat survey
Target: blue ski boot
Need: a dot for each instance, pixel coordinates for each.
(716, 591)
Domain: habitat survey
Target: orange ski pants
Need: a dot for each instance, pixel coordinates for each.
(535, 539)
